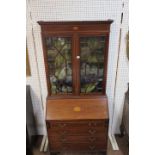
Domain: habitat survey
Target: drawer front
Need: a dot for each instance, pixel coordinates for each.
(77, 128)
(65, 124)
(77, 131)
(78, 146)
(74, 139)
(77, 136)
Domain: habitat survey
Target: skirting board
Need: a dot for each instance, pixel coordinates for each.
(113, 142)
(42, 146)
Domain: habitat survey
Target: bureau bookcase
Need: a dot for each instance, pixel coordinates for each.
(76, 57)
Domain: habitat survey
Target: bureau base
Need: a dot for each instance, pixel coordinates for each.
(85, 130)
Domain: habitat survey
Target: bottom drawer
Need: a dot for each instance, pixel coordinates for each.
(78, 146)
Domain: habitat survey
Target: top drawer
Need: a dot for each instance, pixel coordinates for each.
(68, 124)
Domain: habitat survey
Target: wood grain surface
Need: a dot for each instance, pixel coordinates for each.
(90, 109)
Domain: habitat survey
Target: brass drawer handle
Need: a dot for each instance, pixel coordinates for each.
(64, 132)
(92, 147)
(63, 140)
(92, 139)
(64, 147)
(91, 131)
(92, 123)
(62, 125)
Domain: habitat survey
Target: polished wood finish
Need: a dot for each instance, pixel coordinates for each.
(75, 30)
(85, 130)
(77, 125)
(122, 143)
(87, 27)
(78, 146)
(77, 121)
(83, 139)
(64, 109)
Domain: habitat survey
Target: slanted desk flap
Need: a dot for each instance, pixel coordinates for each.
(77, 109)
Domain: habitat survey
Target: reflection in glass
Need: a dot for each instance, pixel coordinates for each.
(91, 63)
(59, 63)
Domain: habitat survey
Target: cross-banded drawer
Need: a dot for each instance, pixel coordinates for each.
(66, 124)
(77, 131)
(80, 138)
(77, 128)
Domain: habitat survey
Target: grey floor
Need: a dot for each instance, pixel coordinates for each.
(122, 142)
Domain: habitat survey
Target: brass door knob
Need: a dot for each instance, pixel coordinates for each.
(77, 57)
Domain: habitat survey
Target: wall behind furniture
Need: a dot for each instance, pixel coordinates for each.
(34, 79)
(69, 10)
(122, 78)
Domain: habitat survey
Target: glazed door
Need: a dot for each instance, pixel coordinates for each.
(58, 54)
(76, 64)
(75, 56)
(92, 50)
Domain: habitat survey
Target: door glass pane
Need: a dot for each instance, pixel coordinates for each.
(59, 64)
(92, 63)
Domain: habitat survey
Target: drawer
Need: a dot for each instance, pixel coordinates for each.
(77, 128)
(66, 124)
(87, 131)
(74, 139)
(78, 146)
